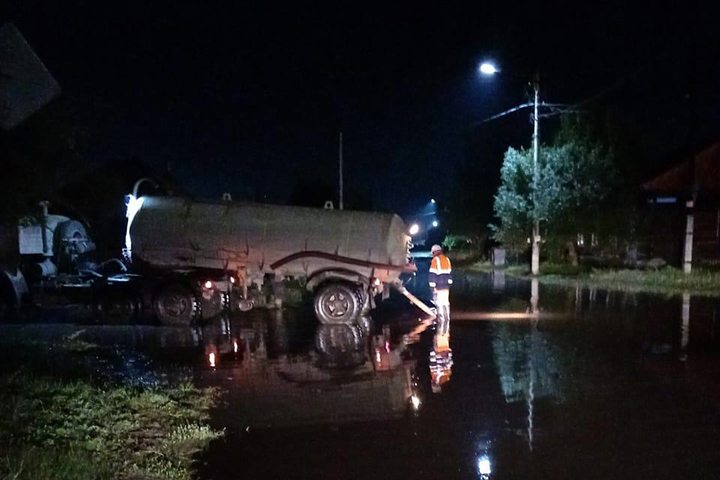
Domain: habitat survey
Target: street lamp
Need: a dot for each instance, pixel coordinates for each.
(487, 68)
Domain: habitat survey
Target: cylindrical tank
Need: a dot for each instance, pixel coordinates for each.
(176, 233)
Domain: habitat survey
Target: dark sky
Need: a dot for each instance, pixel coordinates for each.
(249, 98)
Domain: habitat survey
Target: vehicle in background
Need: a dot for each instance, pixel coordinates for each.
(185, 261)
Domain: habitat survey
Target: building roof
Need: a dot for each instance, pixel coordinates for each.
(682, 178)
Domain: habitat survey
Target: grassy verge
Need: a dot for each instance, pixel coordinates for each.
(665, 281)
(60, 427)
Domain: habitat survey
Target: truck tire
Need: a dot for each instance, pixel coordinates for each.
(337, 303)
(176, 305)
(363, 299)
(116, 307)
(71, 230)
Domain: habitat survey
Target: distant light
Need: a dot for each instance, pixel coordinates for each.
(487, 68)
(415, 402)
(235, 346)
(414, 229)
(432, 200)
(435, 223)
(208, 284)
(232, 280)
(211, 359)
(484, 466)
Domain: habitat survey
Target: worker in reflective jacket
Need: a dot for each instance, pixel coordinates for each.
(440, 279)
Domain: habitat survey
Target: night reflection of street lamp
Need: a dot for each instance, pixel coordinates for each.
(489, 69)
(484, 466)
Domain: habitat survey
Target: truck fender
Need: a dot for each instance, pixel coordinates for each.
(320, 277)
(13, 288)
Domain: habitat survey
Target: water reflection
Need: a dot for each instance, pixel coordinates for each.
(341, 346)
(597, 383)
(685, 330)
(441, 364)
(498, 281)
(344, 373)
(484, 466)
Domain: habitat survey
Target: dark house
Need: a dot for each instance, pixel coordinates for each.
(684, 210)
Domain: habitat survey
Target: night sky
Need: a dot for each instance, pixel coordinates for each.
(249, 99)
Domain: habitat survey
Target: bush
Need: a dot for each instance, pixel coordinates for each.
(68, 430)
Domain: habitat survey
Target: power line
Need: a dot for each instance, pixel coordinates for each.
(515, 109)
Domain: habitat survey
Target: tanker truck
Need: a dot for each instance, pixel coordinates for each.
(185, 260)
(344, 258)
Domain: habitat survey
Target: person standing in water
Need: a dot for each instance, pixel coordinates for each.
(440, 280)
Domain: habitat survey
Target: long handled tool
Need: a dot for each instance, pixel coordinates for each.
(415, 301)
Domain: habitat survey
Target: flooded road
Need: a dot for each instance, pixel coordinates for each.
(536, 382)
(543, 382)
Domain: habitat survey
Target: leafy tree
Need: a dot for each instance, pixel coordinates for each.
(575, 175)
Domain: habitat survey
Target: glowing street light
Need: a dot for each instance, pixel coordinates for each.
(432, 200)
(435, 223)
(414, 229)
(487, 68)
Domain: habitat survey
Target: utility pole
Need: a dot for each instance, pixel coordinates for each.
(340, 161)
(535, 264)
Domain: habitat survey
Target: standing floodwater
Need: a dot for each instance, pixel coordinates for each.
(539, 382)
(545, 382)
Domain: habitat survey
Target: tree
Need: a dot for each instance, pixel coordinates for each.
(575, 175)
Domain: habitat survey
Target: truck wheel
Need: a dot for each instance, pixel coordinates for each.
(116, 307)
(337, 303)
(363, 299)
(176, 305)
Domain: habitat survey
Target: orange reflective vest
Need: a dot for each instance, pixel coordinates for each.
(440, 275)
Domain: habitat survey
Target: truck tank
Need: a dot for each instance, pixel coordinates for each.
(174, 233)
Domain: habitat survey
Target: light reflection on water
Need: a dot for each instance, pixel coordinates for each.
(561, 339)
(568, 381)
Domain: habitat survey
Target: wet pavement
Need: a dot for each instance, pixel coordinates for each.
(535, 382)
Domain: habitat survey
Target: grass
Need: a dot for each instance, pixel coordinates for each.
(82, 428)
(667, 280)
